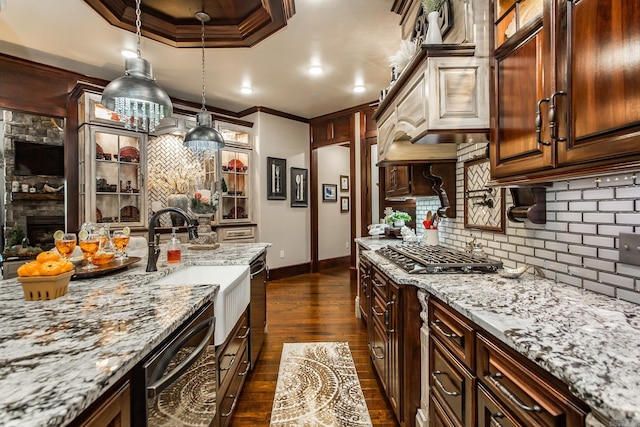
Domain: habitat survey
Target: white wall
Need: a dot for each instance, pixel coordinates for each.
(334, 227)
(287, 229)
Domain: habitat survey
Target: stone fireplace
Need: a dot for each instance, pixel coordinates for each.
(22, 208)
(40, 230)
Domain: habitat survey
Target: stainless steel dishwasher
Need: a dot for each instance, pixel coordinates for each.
(176, 385)
(258, 306)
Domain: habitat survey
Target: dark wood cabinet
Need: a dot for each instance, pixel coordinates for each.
(397, 181)
(559, 107)
(114, 412)
(364, 288)
(474, 379)
(394, 343)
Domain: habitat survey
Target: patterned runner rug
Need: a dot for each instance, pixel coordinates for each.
(318, 386)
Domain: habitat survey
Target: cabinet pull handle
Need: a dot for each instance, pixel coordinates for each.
(376, 283)
(373, 351)
(233, 405)
(233, 359)
(434, 375)
(376, 312)
(553, 130)
(494, 379)
(435, 325)
(494, 419)
(386, 317)
(246, 371)
(539, 124)
(246, 334)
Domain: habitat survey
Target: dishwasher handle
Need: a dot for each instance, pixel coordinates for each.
(159, 383)
(257, 268)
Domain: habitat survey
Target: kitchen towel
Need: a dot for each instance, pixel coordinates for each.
(318, 386)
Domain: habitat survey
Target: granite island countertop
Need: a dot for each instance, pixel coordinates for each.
(589, 341)
(59, 356)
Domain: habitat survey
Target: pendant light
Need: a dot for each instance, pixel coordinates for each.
(203, 137)
(136, 97)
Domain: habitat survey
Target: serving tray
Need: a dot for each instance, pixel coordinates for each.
(104, 269)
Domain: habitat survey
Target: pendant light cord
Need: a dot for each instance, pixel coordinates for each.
(203, 109)
(138, 25)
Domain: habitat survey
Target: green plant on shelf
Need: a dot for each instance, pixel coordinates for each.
(432, 5)
(398, 216)
(223, 186)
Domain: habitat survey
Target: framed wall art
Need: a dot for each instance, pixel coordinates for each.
(329, 193)
(299, 188)
(344, 204)
(276, 179)
(344, 183)
(483, 206)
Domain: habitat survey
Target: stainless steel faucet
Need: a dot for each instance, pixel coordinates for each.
(154, 239)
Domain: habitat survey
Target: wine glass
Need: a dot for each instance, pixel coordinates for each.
(65, 245)
(89, 244)
(120, 242)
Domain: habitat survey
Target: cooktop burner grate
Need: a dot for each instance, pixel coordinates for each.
(421, 258)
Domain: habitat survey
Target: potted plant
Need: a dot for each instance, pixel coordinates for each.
(398, 218)
(432, 9)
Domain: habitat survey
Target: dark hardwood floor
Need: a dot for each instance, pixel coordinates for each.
(306, 308)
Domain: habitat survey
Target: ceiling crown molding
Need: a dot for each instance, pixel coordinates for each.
(233, 23)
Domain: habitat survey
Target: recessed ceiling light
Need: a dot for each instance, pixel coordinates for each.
(315, 70)
(246, 90)
(128, 53)
(358, 88)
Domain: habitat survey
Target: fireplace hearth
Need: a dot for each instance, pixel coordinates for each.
(40, 230)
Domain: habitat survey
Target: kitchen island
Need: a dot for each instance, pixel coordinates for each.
(58, 357)
(590, 342)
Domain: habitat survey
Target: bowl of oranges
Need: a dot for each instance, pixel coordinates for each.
(45, 278)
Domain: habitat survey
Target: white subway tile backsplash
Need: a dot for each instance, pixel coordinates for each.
(615, 205)
(628, 218)
(630, 296)
(583, 228)
(577, 245)
(583, 250)
(599, 217)
(583, 206)
(616, 280)
(598, 194)
(607, 242)
(600, 288)
(628, 192)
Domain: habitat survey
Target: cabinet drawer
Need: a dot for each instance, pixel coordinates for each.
(229, 354)
(451, 384)
(491, 413)
(378, 348)
(230, 397)
(530, 396)
(454, 332)
(378, 283)
(437, 416)
(236, 234)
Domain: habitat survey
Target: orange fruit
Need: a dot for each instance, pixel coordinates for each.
(67, 266)
(29, 269)
(51, 268)
(47, 256)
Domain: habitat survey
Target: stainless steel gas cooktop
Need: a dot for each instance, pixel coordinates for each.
(418, 258)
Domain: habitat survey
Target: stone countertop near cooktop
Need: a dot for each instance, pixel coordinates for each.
(58, 356)
(589, 341)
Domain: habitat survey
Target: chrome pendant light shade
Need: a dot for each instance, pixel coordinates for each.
(204, 137)
(136, 97)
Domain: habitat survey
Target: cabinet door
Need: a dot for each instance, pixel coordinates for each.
(115, 412)
(111, 175)
(364, 290)
(234, 205)
(491, 413)
(397, 181)
(601, 60)
(518, 86)
(394, 367)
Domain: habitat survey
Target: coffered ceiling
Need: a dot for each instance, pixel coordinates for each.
(351, 39)
(233, 23)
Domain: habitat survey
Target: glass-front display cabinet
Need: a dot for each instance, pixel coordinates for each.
(235, 186)
(111, 176)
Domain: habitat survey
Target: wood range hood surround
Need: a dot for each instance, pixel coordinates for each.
(440, 99)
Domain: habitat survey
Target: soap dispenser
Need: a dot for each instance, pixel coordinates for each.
(174, 252)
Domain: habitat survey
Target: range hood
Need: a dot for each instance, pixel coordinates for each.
(440, 100)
